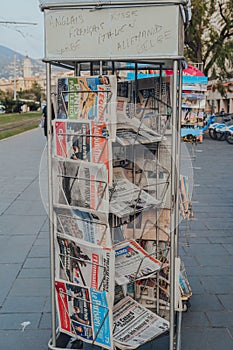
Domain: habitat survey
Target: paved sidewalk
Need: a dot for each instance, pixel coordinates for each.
(206, 248)
(24, 245)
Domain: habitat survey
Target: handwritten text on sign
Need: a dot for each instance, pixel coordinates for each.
(139, 32)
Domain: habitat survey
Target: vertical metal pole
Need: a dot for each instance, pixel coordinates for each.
(173, 203)
(179, 314)
(178, 158)
(50, 196)
(101, 68)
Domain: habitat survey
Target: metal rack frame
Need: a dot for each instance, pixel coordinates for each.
(166, 60)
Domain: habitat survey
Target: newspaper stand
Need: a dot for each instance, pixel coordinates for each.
(103, 36)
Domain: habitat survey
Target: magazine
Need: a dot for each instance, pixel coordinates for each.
(84, 140)
(132, 262)
(85, 263)
(88, 98)
(80, 185)
(83, 225)
(127, 198)
(134, 325)
(84, 313)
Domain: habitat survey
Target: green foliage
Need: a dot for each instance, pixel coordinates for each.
(209, 37)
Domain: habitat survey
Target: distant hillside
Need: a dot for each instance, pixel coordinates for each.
(7, 62)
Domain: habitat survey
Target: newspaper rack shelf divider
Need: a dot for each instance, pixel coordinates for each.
(115, 193)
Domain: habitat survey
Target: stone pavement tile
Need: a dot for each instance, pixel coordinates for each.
(206, 339)
(32, 192)
(215, 260)
(23, 304)
(8, 274)
(4, 204)
(27, 224)
(223, 214)
(45, 321)
(220, 319)
(224, 240)
(14, 320)
(45, 226)
(205, 302)
(205, 249)
(39, 251)
(14, 249)
(226, 300)
(34, 273)
(42, 241)
(218, 284)
(229, 248)
(219, 224)
(194, 240)
(28, 287)
(29, 207)
(210, 271)
(47, 306)
(196, 285)
(210, 233)
(195, 319)
(27, 340)
(189, 261)
(37, 263)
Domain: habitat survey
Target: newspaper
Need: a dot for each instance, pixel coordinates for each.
(83, 225)
(134, 325)
(149, 225)
(132, 262)
(85, 140)
(88, 98)
(80, 185)
(130, 131)
(84, 313)
(85, 264)
(127, 198)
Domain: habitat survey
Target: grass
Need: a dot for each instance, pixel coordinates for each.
(15, 123)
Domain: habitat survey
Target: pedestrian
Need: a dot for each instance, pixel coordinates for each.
(44, 113)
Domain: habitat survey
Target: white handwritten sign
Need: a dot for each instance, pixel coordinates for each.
(112, 33)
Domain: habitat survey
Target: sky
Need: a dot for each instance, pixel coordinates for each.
(25, 39)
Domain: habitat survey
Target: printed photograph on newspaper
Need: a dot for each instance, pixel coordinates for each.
(80, 185)
(83, 140)
(84, 313)
(132, 262)
(134, 325)
(85, 264)
(90, 98)
(83, 225)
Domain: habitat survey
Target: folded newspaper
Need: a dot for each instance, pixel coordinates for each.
(83, 140)
(127, 198)
(134, 325)
(85, 264)
(84, 313)
(80, 185)
(132, 262)
(83, 225)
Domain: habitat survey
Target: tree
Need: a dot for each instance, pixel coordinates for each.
(209, 37)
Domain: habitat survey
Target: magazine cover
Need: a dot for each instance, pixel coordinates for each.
(85, 264)
(132, 262)
(134, 325)
(84, 313)
(83, 140)
(83, 225)
(90, 98)
(80, 185)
